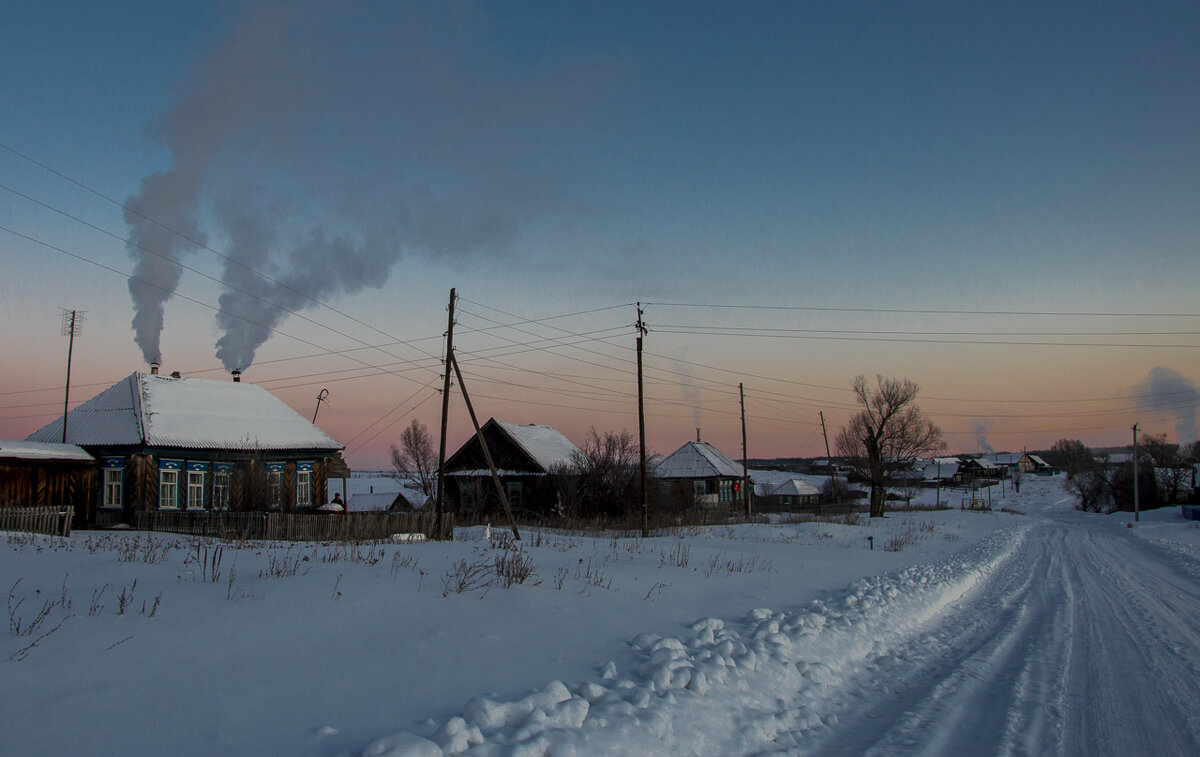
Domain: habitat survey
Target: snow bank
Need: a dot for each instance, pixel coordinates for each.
(691, 694)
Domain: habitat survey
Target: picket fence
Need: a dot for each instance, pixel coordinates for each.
(54, 521)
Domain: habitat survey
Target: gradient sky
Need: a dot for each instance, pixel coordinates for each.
(999, 201)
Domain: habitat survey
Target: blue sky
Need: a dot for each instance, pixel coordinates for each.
(859, 160)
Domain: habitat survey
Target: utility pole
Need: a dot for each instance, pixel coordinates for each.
(72, 324)
(483, 445)
(439, 502)
(833, 487)
(1137, 515)
(641, 331)
(745, 461)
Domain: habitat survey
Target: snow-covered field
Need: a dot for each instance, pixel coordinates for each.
(1043, 631)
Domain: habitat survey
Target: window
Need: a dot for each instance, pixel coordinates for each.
(513, 490)
(222, 473)
(113, 480)
(726, 490)
(274, 486)
(195, 490)
(304, 484)
(168, 484)
(113, 497)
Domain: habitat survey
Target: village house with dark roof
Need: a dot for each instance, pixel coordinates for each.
(530, 462)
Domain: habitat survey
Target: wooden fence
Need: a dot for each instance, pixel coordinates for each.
(291, 527)
(55, 521)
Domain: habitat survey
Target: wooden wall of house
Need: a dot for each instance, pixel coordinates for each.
(38, 484)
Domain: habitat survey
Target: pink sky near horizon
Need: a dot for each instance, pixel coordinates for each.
(979, 399)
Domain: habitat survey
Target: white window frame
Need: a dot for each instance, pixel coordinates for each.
(195, 490)
(114, 488)
(222, 481)
(274, 489)
(168, 482)
(303, 488)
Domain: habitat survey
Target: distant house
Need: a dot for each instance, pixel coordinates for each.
(941, 471)
(978, 469)
(195, 445)
(1007, 460)
(699, 475)
(529, 460)
(45, 474)
(1034, 464)
(785, 496)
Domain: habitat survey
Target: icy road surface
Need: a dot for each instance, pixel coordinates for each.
(1085, 642)
(1065, 636)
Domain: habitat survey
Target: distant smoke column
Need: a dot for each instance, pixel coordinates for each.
(163, 206)
(1168, 390)
(981, 439)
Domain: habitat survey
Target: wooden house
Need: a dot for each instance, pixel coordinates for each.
(699, 475)
(46, 474)
(195, 445)
(1034, 464)
(785, 496)
(531, 462)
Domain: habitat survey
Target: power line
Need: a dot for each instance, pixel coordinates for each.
(185, 237)
(918, 311)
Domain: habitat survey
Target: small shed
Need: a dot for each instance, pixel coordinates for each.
(47, 474)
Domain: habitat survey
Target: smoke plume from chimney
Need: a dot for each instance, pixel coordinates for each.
(319, 146)
(1168, 390)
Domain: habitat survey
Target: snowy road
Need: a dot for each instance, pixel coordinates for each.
(1086, 641)
(1063, 636)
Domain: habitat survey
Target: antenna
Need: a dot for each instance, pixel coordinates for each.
(72, 324)
(322, 396)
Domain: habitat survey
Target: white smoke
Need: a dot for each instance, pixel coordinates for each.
(981, 441)
(1168, 390)
(320, 144)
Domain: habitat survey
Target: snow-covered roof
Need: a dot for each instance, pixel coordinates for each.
(544, 445)
(1039, 462)
(193, 413)
(1006, 458)
(793, 487)
(940, 468)
(11, 449)
(697, 460)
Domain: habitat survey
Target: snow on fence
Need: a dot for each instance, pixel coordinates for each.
(292, 527)
(55, 521)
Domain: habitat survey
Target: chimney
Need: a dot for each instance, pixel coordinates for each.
(237, 376)
(697, 434)
(154, 369)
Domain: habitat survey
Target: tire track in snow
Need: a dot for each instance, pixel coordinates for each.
(1084, 643)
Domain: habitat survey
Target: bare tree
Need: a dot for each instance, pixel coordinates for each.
(607, 475)
(416, 457)
(1072, 456)
(1173, 466)
(1093, 489)
(889, 427)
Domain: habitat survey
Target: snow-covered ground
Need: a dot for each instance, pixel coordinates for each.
(1043, 631)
